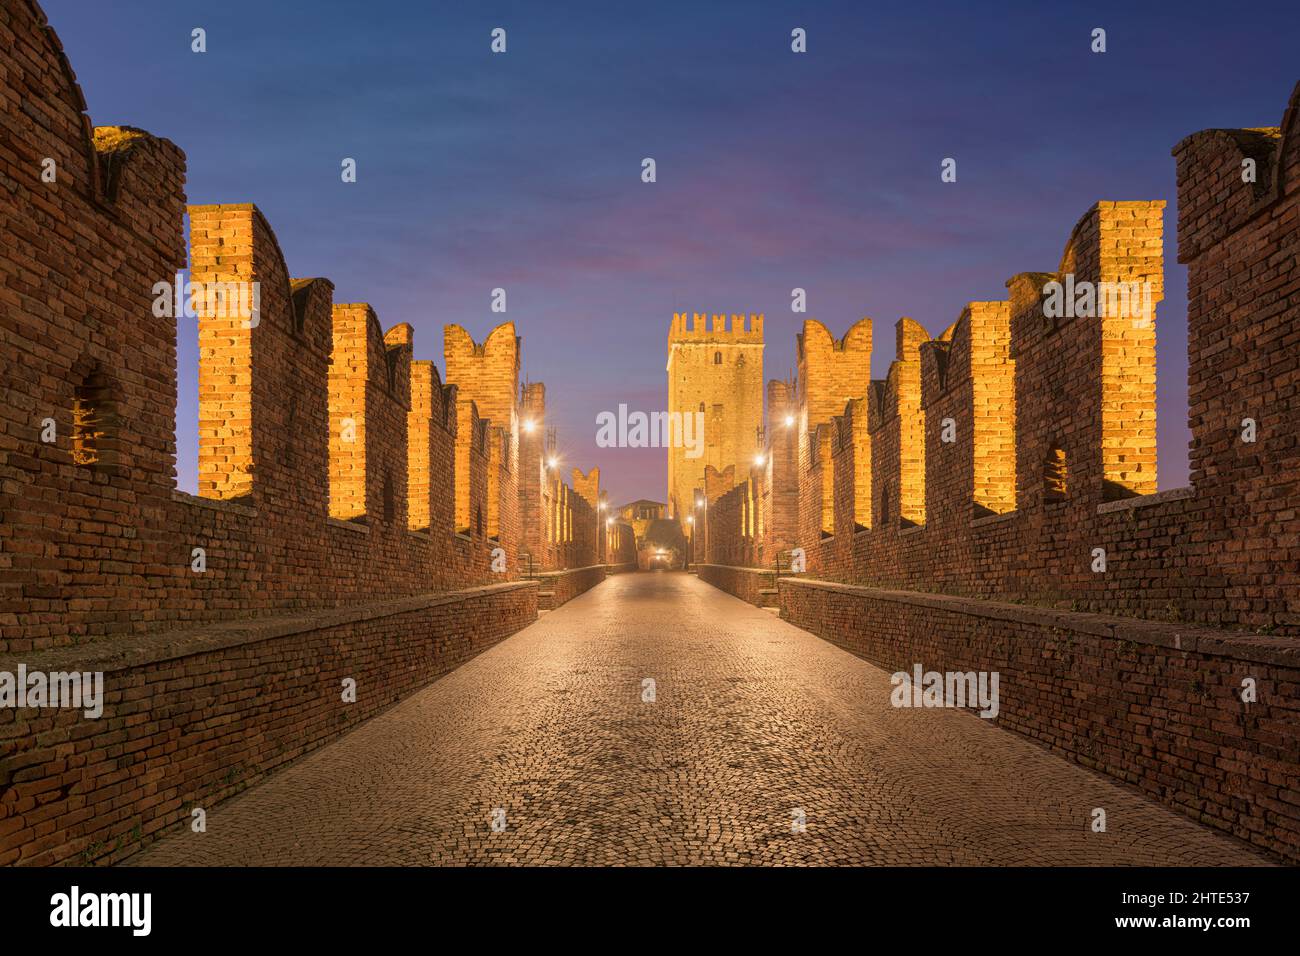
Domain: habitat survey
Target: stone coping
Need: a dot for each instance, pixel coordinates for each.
(1283, 651)
(347, 525)
(230, 505)
(115, 653)
(1144, 501)
(737, 567)
(564, 571)
(985, 520)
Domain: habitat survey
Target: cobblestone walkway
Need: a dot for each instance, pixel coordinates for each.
(751, 720)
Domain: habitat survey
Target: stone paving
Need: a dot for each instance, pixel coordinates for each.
(752, 719)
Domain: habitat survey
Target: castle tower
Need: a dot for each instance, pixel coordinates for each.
(714, 367)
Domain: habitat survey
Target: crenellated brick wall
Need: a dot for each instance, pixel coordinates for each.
(330, 537)
(1000, 462)
(304, 477)
(487, 377)
(715, 370)
(998, 457)
(532, 474)
(326, 454)
(560, 523)
(620, 546)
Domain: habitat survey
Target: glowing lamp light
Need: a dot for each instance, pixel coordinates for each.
(609, 522)
(758, 460)
(530, 425)
(789, 421)
(553, 462)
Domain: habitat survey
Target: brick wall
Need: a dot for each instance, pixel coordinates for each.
(558, 587)
(532, 474)
(80, 254)
(778, 476)
(757, 586)
(204, 714)
(487, 376)
(715, 367)
(304, 478)
(333, 469)
(561, 526)
(588, 485)
(349, 502)
(1157, 706)
(620, 546)
(1002, 454)
(999, 459)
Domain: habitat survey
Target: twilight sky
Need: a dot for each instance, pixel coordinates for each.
(775, 170)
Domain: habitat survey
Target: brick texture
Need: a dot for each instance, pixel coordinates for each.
(715, 367)
(203, 715)
(951, 513)
(1052, 445)
(350, 502)
(1157, 706)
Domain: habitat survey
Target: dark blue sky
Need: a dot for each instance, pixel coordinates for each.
(775, 170)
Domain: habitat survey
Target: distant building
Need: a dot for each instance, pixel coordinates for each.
(639, 514)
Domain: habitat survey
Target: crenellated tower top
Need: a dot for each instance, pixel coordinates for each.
(718, 327)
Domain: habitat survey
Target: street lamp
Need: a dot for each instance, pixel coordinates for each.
(789, 421)
(530, 426)
(758, 460)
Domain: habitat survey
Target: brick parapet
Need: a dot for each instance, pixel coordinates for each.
(1157, 706)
